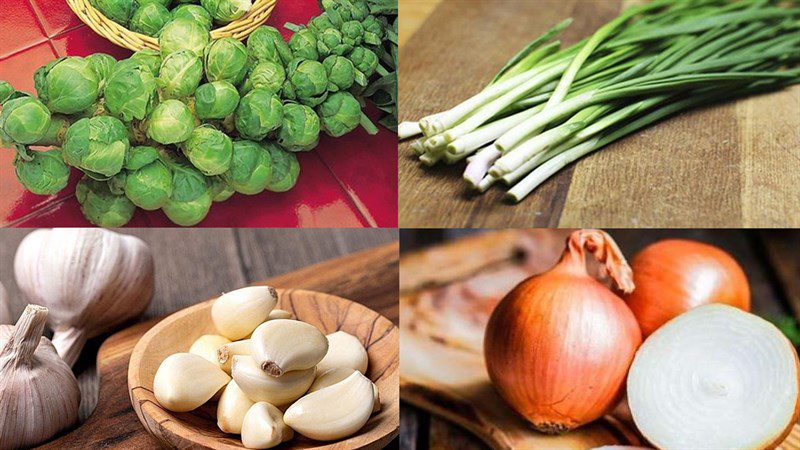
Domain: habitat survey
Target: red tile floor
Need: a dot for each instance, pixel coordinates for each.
(346, 182)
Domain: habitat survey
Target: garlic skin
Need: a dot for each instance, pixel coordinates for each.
(344, 350)
(333, 412)
(39, 395)
(226, 353)
(260, 387)
(6, 315)
(264, 427)
(185, 381)
(333, 376)
(279, 314)
(91, 280)
(284, 345)
(237, 313)
(232, 407)
(207, 346)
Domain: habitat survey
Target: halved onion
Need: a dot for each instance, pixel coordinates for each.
(715, 377)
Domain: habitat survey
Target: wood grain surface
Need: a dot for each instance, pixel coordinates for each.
(726, 165)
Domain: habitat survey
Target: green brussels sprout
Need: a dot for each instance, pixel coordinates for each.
(300, 128)
(149, 19)
(164, 3)
(149, 59)
(191, 195)
(6, 91)
(267, 75)
(215, 100)
(140, 156)
(225, 11)
(183, 34)
(43, 173)
(285, 169)
(193, 12)
(266, 43)
(102, 64)
(97, 146)
(226, 60)
(307, 81)
(101, 206)
(304, 45)
(365, 60)
(220, 190)
(209, 150)
(67, 85)
(341, 73)
(339, 114)
(130, 91)
(180, 74)
(188, 213)
(352, 33)
(259, 112)
(251, 168)
(322, 22)
(347, 9)
(150, 186)
(119, 11)
(170, 122)
(331, 42)
(373, 30)
(23, 120)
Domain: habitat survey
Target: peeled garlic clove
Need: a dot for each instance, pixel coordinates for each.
(237, 313)
(333, 412)
(333, 376)
(260, 387)
(207, 346)
(283, 345)
(185, 381)
(344, 350)
(264, 427)
(279, 314)
(226, 353)
(232, 407)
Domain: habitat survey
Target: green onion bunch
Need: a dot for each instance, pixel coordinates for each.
(549, 106)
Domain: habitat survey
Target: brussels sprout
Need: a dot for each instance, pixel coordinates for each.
(266, 43)
(226, 60)
(300, 128)
(67, 85)
(347, 9)
(258, 113)
(215, 100)
(304, 45)
(150, 186)
(138, 157)
(285, 169)
(97, 145)
(307, 81)
(251, 168)
(340, 114)
(102, 64)
(209, 150)
(267, 75)
(323, 22)
(183, 34)
(341, 73)
(193, 12)
(189, 213)
(170, 122)
(43, 173)
(101, 206)
(149, 19)
(220, 190)
(164, 3)
(130, 91)
(191, 195)
(352, 33)
(147, 58)
(180, 74)
(331, 42)
(373, 30)
(119, 11)
(225, 11)
(23, 120)
(6, 91)
(365, 60)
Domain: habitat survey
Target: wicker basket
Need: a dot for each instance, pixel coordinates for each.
(124, 37)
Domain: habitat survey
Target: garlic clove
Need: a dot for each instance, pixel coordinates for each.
(185, 381)
(333, 412)
(260, 387)
(237, 313)
(283, 345)
(333, 376)
(344, 350)
(226, 353)
(279, 314)
(207, 346)
(263, 427)
(232, 407)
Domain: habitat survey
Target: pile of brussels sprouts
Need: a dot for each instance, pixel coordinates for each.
(198, 121)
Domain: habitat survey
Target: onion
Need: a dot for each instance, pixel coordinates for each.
(673, 276)
(715, 377)
(559, 345)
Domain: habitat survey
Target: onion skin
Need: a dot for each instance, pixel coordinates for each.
(559, 345)
(796, 415)
(675, 275)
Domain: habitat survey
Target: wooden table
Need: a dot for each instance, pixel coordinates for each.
(728, 165)
(194, 265)
(769, 258)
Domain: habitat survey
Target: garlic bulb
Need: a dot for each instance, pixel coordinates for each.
(279, 314)
(260, 387)
(283, 345)
(39, 395)
(344, 350)
(334, 412)
(91, 280)
(6, 315)
(233, 405)
(226, 353)
(185, 381)
(237, 313)
(333, 376)
(264, 427)
(207, 346)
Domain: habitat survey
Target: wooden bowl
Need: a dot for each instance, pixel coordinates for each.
(198, 428)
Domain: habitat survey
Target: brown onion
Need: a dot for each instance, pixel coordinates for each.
(559, 345)
(673, 276)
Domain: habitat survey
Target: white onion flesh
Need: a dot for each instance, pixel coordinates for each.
(714, 377)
